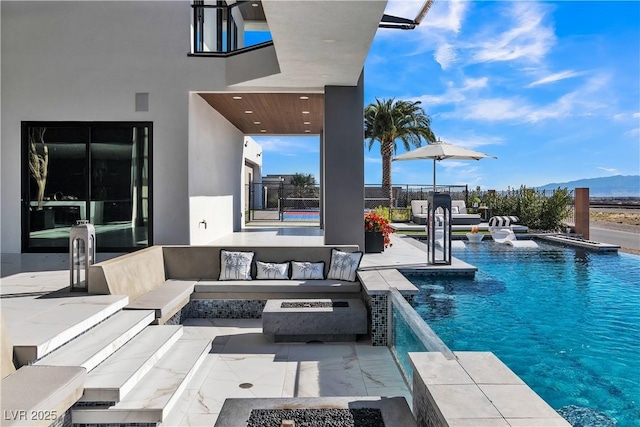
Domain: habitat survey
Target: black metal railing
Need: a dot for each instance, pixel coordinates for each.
(221, 29)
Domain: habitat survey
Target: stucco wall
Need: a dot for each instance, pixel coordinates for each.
(215, 161)
(85, 61)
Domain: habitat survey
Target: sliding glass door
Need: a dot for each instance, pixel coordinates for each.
(99, 171)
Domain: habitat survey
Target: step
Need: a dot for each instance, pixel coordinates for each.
(114, 378)
(100, 342)
(58, 321)
(155, 395)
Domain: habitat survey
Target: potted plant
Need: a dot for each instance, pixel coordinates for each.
(474, 236)
(376, 233)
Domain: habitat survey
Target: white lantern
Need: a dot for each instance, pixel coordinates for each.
(82, 254)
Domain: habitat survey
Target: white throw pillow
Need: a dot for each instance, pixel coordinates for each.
(235, 265)
(344, 265)
(455, 209)
(307, 270)
(272, 271)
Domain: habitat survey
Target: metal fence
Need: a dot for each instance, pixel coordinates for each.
(403, 194)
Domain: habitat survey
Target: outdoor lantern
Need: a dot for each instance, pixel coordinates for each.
(82, 253)
(439, 228)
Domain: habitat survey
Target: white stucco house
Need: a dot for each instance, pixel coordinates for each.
(134, 115)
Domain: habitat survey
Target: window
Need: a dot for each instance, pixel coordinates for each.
(98, 171)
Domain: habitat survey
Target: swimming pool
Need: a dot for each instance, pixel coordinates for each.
(301, 215)
(566, 320)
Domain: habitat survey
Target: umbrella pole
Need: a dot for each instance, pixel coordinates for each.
(434, 175)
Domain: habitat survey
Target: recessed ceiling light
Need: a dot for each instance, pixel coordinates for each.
(307, 131)
(305, 112)
(256, 123)
(304, 97)
(237, 97)
(248, 112)
(263, 130)
(255, 4)
(307, 123)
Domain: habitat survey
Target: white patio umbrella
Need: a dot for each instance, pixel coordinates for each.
(441, 150)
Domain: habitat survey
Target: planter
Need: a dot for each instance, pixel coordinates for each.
(41, 220)
(373, 242)
(475, 237)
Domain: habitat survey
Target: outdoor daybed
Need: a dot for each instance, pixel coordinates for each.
(459, 214)
(168, 278)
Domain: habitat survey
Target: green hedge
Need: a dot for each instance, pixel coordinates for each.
(535, 208)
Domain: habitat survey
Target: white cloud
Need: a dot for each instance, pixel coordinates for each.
(446, 15)
(472, 140)
(555, 77)
(375, 160)
(636, 115)
(528, 37)
(453, 94)
(445, 55)
(633, 132)
(610, 170)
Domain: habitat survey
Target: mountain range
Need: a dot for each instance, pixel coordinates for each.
(607, 186)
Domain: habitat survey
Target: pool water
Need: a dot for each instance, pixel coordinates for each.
(301, 215)
(566, 320)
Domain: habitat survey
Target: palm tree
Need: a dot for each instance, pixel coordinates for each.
(303, 184)
(387, 121)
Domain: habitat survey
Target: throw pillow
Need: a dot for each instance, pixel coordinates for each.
(272, 271)
(307, 270)
(344, 265)
(235, 265)
(455, 209)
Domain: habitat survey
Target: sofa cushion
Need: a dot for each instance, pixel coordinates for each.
(272, 270)
(303, 270)
(166, 299)
(262, 286)
(344, 265)
(235, 265)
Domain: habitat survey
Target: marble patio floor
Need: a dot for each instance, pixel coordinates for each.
(243, 364)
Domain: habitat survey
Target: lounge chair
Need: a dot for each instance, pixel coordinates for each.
(502, 232)
(459, 214)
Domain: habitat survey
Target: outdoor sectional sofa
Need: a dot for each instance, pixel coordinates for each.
(459, 214)
(168, 278)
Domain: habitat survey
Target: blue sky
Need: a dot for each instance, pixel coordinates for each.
(550, 88)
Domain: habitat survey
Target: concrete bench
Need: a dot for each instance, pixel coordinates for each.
(167, 278)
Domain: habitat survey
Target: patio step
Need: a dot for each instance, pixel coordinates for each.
(98, 343)
(62, 319)
(154, 396)
(114, 378)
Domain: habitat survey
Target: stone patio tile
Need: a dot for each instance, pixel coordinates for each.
(538, 422)
(434, 368)
(518, 401)
(486, 368)
(462, 401)
(478, 422)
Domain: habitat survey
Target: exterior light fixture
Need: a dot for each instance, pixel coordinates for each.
(259, 154)
(246, 143)
(82, 254)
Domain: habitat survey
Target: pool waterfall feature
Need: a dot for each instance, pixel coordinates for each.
(466, 388)
(408, 332)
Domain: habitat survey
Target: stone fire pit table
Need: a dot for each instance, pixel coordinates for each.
(304, 320)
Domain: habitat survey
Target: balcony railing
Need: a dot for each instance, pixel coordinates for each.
(221, 29)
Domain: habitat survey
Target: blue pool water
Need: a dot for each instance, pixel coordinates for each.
(301, 215)
(567, 321)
